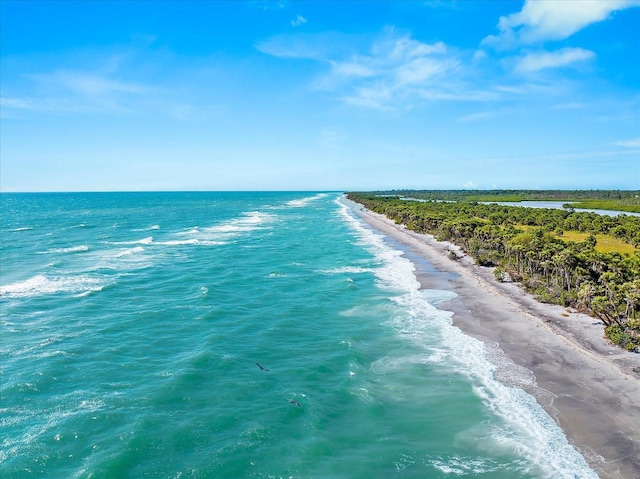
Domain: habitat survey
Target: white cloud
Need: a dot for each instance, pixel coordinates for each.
(299, 20)
(268, 4)
(560, 58)
(570, 106)
(317, 46)
(451, 4)
(540, 21)
(632, 143)
(479, 55)
(331, 139)
(68, 90)
(353, 68)
(482, 115)
(420, 70)
(92, 84)
(395, 71)
(18, 103)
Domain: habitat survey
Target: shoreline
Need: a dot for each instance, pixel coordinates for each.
(588, 386)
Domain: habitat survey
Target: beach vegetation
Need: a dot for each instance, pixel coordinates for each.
(593, 266)
(605, 243)
(616, 200)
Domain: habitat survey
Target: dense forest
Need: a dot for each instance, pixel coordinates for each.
(587, 199)
(598, 274)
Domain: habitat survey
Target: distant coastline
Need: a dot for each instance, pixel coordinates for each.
(587, 385)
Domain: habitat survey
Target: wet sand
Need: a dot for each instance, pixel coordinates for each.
(590, 387)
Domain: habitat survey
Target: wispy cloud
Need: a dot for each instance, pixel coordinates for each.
(570, 106)
(543, 60)
(268, 4)
(394, 71)
(299, 20)
(482, 115)
(90, 91)
(540, 21)
(451, 4)
(91, 83)
(310, 46)
(331, 139)
(18, 103)
(631, 143)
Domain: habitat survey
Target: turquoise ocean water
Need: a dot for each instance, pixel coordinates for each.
(132, 324)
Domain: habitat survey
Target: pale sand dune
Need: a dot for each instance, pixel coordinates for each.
(591, 388)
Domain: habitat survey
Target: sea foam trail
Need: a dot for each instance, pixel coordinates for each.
(148, 240)
(526, 430)
(301, 203)
(220, 234)
(71, 249)
(44, 285)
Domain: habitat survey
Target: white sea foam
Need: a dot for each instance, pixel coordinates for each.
(24, 228)
(524, 429)
(44, 285)
(223, 232)
(71, 249)
(276, 275)
(249, 222)
(464, 466)
(150, 228)
(179, 242)
(129, 251)
(305, 201)
(147, 240)
(44, 423)
(347, 269)
(191, 231)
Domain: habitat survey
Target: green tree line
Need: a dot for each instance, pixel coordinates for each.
(523, 245)
(622, 200)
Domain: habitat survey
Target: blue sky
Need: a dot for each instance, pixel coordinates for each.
(293, 95)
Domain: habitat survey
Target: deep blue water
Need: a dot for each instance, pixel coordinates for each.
(132, 325)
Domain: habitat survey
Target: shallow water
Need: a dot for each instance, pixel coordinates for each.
(132, 324)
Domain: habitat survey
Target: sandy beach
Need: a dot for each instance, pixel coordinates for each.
(590, 387)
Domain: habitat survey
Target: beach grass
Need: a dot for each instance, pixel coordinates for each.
(604, 243)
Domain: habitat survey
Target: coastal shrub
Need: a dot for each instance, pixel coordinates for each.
(614, 333)
(444, 235)
(618, 336)
(525, 246)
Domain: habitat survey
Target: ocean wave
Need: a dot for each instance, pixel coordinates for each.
(221, 233)
(71, 249)
(347, 269)
(129, 251)
(18, 230)
(194, 230)
(192, 241)
(526, 430)
(148, 240)
(43, 423)
(464, 466)
(42, 285)
(150, 228)
(305, 201)
(250, 221)
(179, 242)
